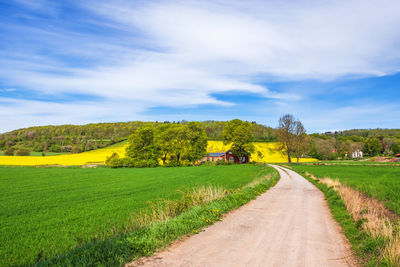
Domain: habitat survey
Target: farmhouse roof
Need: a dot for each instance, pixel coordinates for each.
(216, 154)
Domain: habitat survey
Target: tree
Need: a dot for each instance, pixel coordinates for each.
(372, 146)
(325, 148)
(239, 134)
(178, 142)
(2, 144)
(396, 147)
(260, 155)
(388, 145)
(22, 152)
(292, 137)
(142, 146)
(162, 139)
(197, 142)
(9, 151)
(301, 140)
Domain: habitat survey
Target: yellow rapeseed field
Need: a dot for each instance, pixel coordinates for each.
(268, 151)
(99, 156)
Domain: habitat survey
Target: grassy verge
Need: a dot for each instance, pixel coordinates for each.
(368, 248)
(146, 240)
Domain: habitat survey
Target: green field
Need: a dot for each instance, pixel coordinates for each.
(48, 211)
(353, 162)
(381, 182)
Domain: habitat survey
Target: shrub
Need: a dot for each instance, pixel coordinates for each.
(186, 163)
(9, 151)
(55, 148)
(140, 164)
(152, 163)
(75, 149)
(223, 162)
(172, 164)
(128, 162)
(22, 152)
(108, 159)
(115, 163)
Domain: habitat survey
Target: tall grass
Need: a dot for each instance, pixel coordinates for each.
(163, 210)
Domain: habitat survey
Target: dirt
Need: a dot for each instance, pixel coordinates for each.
(289, 225)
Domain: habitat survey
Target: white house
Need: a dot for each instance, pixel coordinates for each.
(357, 154)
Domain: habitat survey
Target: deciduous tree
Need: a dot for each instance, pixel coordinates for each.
(292, 137)
(239, 134)
(301, 140)
(372, 146)
(142, 146)
(197, 142)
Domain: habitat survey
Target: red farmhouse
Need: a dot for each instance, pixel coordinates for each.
(225, 156)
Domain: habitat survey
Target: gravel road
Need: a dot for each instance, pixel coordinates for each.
(289, 225)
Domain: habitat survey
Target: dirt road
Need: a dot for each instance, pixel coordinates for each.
(289, 225)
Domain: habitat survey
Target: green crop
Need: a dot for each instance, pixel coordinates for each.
(45, 212)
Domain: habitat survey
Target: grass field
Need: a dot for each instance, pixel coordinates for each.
(380, 182)
(47, 211)
(354, 163)
(99, 156)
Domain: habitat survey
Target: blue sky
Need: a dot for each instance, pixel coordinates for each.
(333, 64)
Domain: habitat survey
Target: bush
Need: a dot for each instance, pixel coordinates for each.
(55, 148)
(171, 164)
(186, 163)
(152, 163)
(115, 163)
(9, 151)
(108, 159)
(140, 164)
(76, 149)
(128, 162)
(223, 162)
(22, 152)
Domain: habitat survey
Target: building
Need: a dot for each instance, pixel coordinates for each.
(225, 156)
(358, 154)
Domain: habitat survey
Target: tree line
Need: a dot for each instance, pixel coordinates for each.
(80, 138)
(328, 147)
(179, 144)
(294, 142)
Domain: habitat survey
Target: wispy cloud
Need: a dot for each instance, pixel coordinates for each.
(181, 53)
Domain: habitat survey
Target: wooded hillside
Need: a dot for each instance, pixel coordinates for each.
(80, 138)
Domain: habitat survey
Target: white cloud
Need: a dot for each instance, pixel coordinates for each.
(180, 53)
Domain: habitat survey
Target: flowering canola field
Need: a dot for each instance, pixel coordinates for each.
(98, 156)
(268, 150)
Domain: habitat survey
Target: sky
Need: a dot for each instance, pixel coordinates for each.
(332, 64)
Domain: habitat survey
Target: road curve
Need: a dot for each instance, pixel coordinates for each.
(289, 225)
